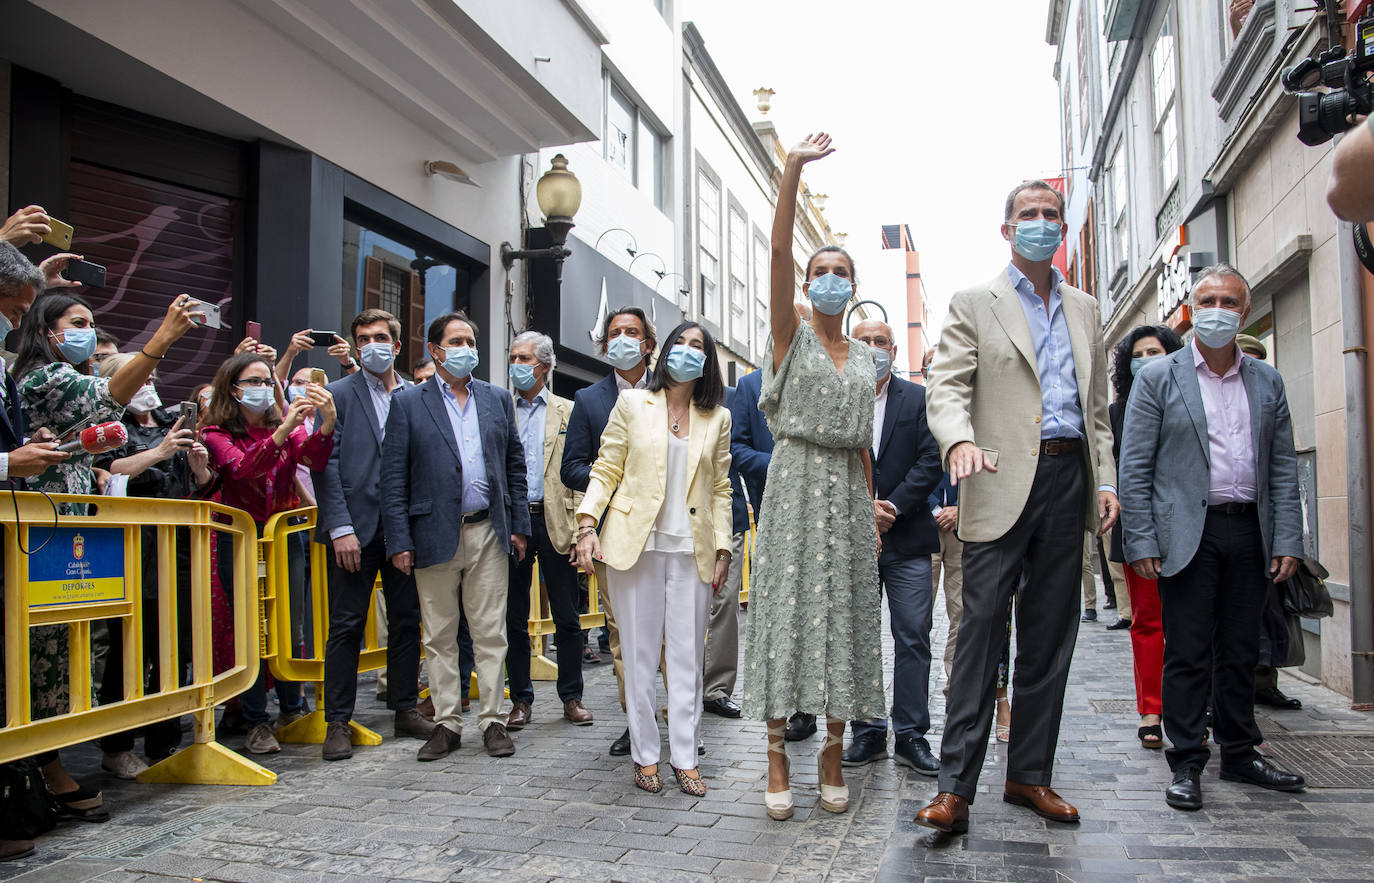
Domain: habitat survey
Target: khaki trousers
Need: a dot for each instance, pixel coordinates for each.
(947, 569)
(722, 629)
(1089, 578)
(473, 583)
(1123, 599)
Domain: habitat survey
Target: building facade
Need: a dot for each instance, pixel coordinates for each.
(270, 155)
(1181, 151)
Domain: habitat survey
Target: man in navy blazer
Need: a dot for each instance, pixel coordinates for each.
(947, 565)
(906, 469)
(627, 341)
(348, 494)
(720, 667)
(454, 503)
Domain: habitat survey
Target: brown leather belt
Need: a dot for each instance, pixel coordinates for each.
(1055, 447)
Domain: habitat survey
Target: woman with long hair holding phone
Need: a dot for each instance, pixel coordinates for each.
(256, 441)
(814, 642)
(664, 471)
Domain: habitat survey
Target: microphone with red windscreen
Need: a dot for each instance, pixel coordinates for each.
(99, 439)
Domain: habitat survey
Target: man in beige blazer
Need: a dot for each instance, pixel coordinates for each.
(1018, 402)
(542, 419)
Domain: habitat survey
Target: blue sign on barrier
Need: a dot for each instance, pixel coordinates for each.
(80, 565)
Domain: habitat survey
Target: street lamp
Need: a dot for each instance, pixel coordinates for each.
(559, 195)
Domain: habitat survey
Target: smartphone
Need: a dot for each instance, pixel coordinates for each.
(86, 273)
(317, 376)
(61, 236)
(254, 330)
(212, 315)
(323, 338)
(189, 414)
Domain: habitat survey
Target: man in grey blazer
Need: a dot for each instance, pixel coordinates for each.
(348, 492)
(1017, 400)
(1209, 490)
(455, 506)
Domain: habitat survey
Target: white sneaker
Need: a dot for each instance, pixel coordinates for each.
(123, 764)
(261, 740)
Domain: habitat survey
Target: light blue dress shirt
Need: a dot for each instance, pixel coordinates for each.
(381, 403)
(529, 419)
(1061, 414)
(476, 491)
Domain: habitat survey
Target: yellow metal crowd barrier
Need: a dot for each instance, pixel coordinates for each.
(279, 650)
(541, 623)
(90, 569)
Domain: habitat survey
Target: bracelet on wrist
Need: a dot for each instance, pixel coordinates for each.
(722, 556)
(144, 351)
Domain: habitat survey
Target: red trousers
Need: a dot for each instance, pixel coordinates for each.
(1147, 642)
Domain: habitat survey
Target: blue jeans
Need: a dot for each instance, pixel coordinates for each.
(910, 595)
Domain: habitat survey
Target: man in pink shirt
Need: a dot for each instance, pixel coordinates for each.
(1209, 499)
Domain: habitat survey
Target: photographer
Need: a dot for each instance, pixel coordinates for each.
(162, 460)
(1351, 191)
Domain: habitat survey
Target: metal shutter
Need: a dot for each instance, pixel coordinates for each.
(157, 240)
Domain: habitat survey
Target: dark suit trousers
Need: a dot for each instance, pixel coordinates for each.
(560, 581)
(349, 597)
(1046, 543)
(1212, 611)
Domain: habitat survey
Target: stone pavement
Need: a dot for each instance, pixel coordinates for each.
(563, 809)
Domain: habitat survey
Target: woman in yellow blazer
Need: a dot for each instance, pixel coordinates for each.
(664, 470)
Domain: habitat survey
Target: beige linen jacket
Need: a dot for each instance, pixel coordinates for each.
(559, 502)
(984, 387)
(631, 475)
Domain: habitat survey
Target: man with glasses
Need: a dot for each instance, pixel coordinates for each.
(906, 468)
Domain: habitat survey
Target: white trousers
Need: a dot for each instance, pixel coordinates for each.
(662, 587)
(474, 582)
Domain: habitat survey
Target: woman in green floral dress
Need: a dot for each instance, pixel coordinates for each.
(57, 392)
(814, 641)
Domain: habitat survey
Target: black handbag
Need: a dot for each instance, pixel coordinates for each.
(1305, 594)
(27, 807)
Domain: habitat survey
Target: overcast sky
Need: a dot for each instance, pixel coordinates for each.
(937, 109)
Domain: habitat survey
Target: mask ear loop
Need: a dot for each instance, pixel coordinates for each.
(14, 498)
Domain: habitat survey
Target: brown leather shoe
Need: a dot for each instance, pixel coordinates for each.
(441, 742)
(338, 741)
(411, 723)
(947, 812)
(577, 713)
(426, 707)
(520, 715)
(15, 849)
(1041, 801)
(497, 742)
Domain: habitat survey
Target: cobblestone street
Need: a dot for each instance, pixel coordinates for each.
(563, 809)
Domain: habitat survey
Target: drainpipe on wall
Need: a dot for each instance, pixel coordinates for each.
(1357, 409)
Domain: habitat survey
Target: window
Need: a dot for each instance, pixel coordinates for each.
(1116, 210)
(1085, 101)
(398, 273)
(708, 246)
(761, 294)
(633, 145)
(1164, 88)
(739, 273)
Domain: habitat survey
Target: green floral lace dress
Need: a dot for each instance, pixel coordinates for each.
(814, 640)
(58, 397)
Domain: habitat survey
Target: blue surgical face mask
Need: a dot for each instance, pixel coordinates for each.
(1215, 326)
(460, 360)
(294, 392)
(5, 326)
(522, 376)
(1138, 362)
(624, 352)
(829, 293)
(76, 345)
(882, 361)
(1037, 240)
(377, 357)
(257, 399)
(685, 363)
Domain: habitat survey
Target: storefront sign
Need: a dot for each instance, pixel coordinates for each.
(1175, 284)
(79, 565)
(593, 286)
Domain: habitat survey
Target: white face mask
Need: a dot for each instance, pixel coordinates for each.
(145, 400)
